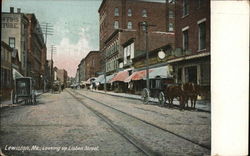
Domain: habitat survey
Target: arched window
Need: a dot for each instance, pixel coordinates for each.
(144, 13)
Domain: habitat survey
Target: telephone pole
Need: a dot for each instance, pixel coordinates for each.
(53, 50)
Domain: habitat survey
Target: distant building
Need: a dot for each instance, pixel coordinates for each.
(81, 67)
(14, 32)
(122, 36)
(92, 64)
(62, 76)
(36, 51)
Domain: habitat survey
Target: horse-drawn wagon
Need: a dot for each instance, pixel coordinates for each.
(24, 90)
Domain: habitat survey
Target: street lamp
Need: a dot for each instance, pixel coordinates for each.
(145, 26)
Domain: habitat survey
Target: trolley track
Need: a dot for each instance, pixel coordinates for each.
(146, 122)
(141, 147)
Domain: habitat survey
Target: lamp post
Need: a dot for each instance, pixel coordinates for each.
(145, 26)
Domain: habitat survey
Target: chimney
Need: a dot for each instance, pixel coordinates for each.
(11, 9)
(19, 10)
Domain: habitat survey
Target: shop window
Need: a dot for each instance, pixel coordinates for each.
(191, 74)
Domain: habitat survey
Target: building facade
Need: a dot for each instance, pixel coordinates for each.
(14, 32)
(62, 76)
(192, 28)
(122, 36)
(81, 67)
(6, 70)
(92, 64)
(36, 51)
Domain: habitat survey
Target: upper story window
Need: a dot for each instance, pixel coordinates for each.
(171, 14)
(200, 2)
(185, 7)
(116, 11)
(129, 12)
(185, 39)
(116, 25)
(12, 42)
(129, 25)
(144, 13)
(202, 35)
(171, 27)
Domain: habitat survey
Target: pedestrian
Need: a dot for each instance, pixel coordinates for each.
(62, 87)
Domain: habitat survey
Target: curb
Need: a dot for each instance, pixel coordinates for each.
(134, 98)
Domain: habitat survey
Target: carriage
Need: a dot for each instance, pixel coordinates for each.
(24, 90)
(156, 89)
(56, 87)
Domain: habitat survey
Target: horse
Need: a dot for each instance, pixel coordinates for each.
(175, 91)
(191, 91)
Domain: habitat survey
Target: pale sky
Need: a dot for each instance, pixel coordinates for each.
(75, 23)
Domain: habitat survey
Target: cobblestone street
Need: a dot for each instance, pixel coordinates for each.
(62, 124)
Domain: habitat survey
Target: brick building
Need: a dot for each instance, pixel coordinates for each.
(92, 64)
(14, 32)
(122, 38)
(81, 67)
(36, 52)
(192, 53)
(62, 76)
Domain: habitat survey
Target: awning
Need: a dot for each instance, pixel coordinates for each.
(90, 80)
(138, 75)
(16, 74)
(120, 76)
(160, 72)
(108, 78)
(99, 79)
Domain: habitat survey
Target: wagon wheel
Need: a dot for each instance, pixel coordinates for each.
(145, 95)
(162, 99)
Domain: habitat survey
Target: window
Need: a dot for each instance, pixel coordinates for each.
(170, 27)
(185, 39)
(116, 11)
(129, 12)
(144, 13)
(116, 25)
(200, 2)
(171, 1)
(185, 7)
(171, 14)
(202, 35)
(129, 25)
(12, 42)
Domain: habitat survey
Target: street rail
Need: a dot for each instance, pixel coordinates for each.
(143, 148)
(148, 123)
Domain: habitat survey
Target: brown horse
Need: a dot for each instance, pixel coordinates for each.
(175, 91)
(191, 91)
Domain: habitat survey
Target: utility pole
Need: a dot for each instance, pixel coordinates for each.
(145, 26)
(47, 29)
(53, 49)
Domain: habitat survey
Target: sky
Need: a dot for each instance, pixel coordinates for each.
(75, 27)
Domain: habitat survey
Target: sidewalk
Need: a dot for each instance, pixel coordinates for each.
(200, 104)
(8, 103)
